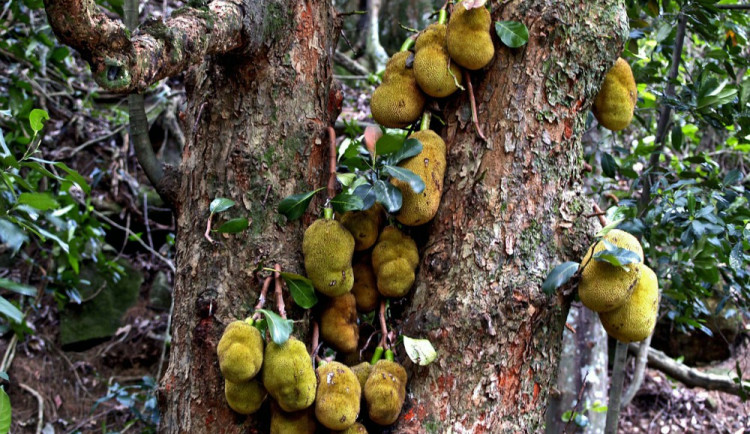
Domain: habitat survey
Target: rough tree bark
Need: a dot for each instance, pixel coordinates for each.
(255, 124)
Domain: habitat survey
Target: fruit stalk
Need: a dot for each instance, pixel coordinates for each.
(279, 295)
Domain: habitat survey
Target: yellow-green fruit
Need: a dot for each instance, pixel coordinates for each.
(339, 392)
(362, 371)
(394, 259)
(245, 397)
(328, 248)
(297, 422)
(357, 428)
(468, 37)
(240, 352)
(634, 321)
(338, 323)
(419, 208)
(385, 391)
(615, 102)
(364, 226)
(398, 101)
(433, 69)
(365, 287)
(288, 375)
(604, 287)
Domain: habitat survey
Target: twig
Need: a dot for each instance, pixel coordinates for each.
(279, 295)
(474, 116)
(367, 344)
(167, 339)
(343, 35)
(96, 140)
(350, 64)
(383, 327)
(570, 327)
(315, 341)
(344, 14)
(145, 218)
(615, 388)
(97, 292)
(599, 213)
(265, 198)
(578, 401)
(10, 354)
(587, 167)
(207, 234)
(640, 368)
(40, 402)
(262, 298)
(734, 7)
(332, 163)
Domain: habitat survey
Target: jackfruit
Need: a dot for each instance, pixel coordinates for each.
(433, 69)
(337, 400)
(468, 37)
(364, 226)
(634, 321)
(604, 287)
(297, 422)
(245, 397)
(394, 259)
(338, 323)
(385, 391)
(357, 428)
(328, 247)
(288, 375)
(615, 102)
(240, 352)
(362, 371)
(398, 101)
(419, 208)
(365, 288)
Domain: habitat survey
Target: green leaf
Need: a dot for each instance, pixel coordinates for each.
(344, 202)
(4, 376)
(617, 256)
(301, 288)
(233, 226)
(609, 166)
(559, 276)
(406, 175)
(5, 411)
(37, 118)
(388, 195)
(605, 230)
(18, 288)
(40, 201)
(678, 138)
(411, 148)
(367, 193)
(512, 33)
(388, 144)
(220, 204)
(279, 327)
(11, 235)
(420, 351)
(295, 205)
(11, 311)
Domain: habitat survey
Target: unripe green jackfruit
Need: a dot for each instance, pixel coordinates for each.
(328, 247)
(338, 323)
(365, 288)
(362, 371)
(296, 422)
(385, 391)
(615, 102)
(419, 208)
(634, 321)
(364, 226)
(604, 287)
(468, 37)
(398, 101)
(245, 397)
(433, 69)
(337, 400)
(394, 259)
(288, 375)
(240, 352)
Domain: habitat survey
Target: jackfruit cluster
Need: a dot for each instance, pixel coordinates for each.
(394, 259)
(385, 391)
(240, 352)
(365, 288)
(328, 247)
(288, 375)
(615, 103)
(338, 323)
(468, 37)
(398, 101)
(296, 422)
(635, 319)
(436, 75)
(364, 226)
(419, 208)
(337, 400)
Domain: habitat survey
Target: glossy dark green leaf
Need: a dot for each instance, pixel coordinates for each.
(40, 201)
(388, 144)
(301, 288)
(609, 166)
(5, 411)
(279, 327)
(220, 204)
(295, 205)
(732, 177)
(11, 311)
(18, 288)
(344, 202)
(406, 175)
(233, 226)
(412, 147)
(512, 33)
(559, 276)
(678, 138)
(616, 256)
(388, 195)
(366, 192)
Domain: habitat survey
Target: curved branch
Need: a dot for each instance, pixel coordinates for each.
(122, 62)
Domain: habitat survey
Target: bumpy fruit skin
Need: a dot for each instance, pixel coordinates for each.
(604, 287)
(328, 248)
(394, 259)
(615, 102)
(385, 391)
(635, 320)
(245, 397)
(338, 323)
(431, 63)
(297, 422)
(398, 101)
(337, 401)
(288, 375)
(418, 209)
(365, 288)
(362, 371)
(364, 226)
(357, 428)
(468, 37)
(240, 352)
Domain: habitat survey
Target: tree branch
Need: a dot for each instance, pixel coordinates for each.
(350, 64)
(122, 62)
